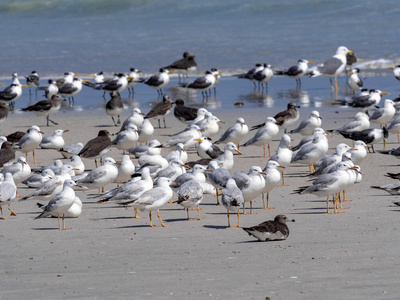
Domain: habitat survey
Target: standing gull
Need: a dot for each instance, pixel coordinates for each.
(263, 76)
(206, 149)
(126, 139)
(333, 66)
(30, 141)
(354, 82)
(369, 136)
(360, 122)
(184, 113)
(46, 108)
(283, 155)
(272, 177)
(13, 91)
(203, 84)
(160, 109)
(114, 107)
(51, 89)
(383, 114)
(117, 84)
(8, 192)
(135, 118)
(70, 89)
(97, 147)
(232, 199)
(158, 81)
(55, 141)
(308, 125)
(153, 199)
(73, 212)
(70, 150)
(298, 71)
(184, 65)
(190, 195)
(250, 74)
(7, 154)
(271, 230)
(133, 79)
(365, 101)
(146, 131)
(60, 203)
(225, 160)
(33, 81)
(264, 135)
(235, 133)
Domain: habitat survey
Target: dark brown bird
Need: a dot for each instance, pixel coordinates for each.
(114, 107)
(7, 153)
(46, 108)
(284, 118)
(3, 111)
(184, 65)
(97, 147)
(271, 230)
(184, 113)
(161, 109)
(15, 136)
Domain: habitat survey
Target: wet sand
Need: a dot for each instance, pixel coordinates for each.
(108, 254)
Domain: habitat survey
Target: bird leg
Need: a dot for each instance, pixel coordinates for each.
(49, 120)
(283, 180)
(115, 124)
(244, 210)
(341, 200)
(63, 221)
(327, 206)
(398, 138)
(159, 123)
(165, 126)
(251, 207)
(264, 150)
(267, 207)
(162, 224)
(136, 215)
(344, 197)
(216, 196)
(11, 212)
(34, 159)
(229, 223)
(269, 150)
(2, 216)
(151, 223)
(59, 224)
(187, 212)
(198, 211)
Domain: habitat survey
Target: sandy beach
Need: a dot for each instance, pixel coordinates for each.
(108, 254)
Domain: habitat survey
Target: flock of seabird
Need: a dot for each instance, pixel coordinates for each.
(154, 179)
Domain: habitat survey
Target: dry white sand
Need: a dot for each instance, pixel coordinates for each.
(109, 255)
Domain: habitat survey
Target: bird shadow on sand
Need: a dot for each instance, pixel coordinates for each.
(215, 226)
(47, 229)
(104, 126)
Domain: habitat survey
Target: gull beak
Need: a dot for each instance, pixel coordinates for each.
(171, 72)
(91, 75)
(351, 51)
(138, 131)
(85, 80)
(75, 169)
(186, 166)
(290, 220)
(118, 163)
(66, 130)
(353, 149)
(78, 185)
(385, 93)
(390, 68)
(263, 173)
(198, 140)
(283, 167)
(41, 132)
(310, 62)
(24, 85)
(173, 183)
(207, 170)
(240, 153)
(221, 121)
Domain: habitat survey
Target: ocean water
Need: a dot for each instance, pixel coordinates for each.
(87, 36)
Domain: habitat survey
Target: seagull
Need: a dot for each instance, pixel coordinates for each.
(264, 75)
(3, 111)
(161, 109)
(369, 136)
(73, 212)
(125, 170)
(60, 203)
(396, 72)
(206, 149)
(232, 199)
(36, 180)
(114, 107)
(197, 173)
(298, 71)
(225, 160)
(203, 84)
(360, 122)
(365, 101)
(308, 138)
(358, 155)
(153, 199)
(13, 91)
(250, 74)
(30, 141)
(271, 230)
(70, 150)
(234, 133)
(329, 184)
(251, 184)
(310, 153)
(19, 170)
(7, 154)
(327, 162)
(77, 164)
(264, 135)
(133, 79)
(184, 113)
(187, 138)
(157, 82)
(70, 89)
(283, 155)
(285, 118)
(217, 176)
(47, 190)
(51, 89)
(150, 149)
(174, 169)
(184, 65)
(308, 125)
(178, 153)
(354, 81)
(99, 177)
(97, 147)
(209, 125)
(126, 139)
(33, 81)
(384, 114)
(117, 84)
(8, 192)
(55, 141)
(46, 108)
(155, 163)
(146, 131)
(392, 188)
(333, 66)
(135, 118)
(190, 195)
(272, 176)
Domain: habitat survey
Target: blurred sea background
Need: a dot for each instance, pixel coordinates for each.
(88, 36)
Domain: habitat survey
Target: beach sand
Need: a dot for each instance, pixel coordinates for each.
(109, 255)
